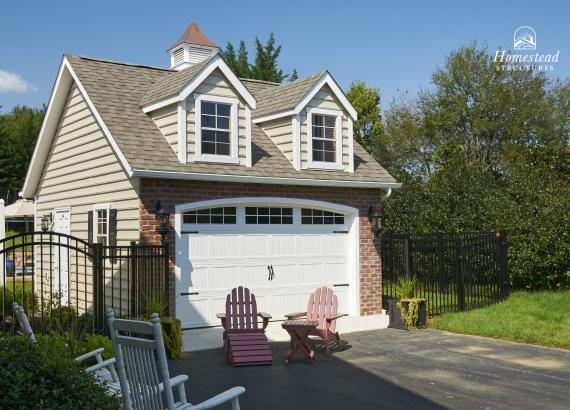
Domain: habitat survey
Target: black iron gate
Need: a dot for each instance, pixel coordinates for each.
(61, 280)
(453, 272)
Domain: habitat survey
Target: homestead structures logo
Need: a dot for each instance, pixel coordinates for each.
(522, 58)
(524, 38)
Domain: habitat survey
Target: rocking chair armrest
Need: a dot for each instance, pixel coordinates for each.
(178, 380)
(105, 364)
(221, 315)
(296, 315)
(330, 319)
(224, 397)
(264, 315)
(94, 353)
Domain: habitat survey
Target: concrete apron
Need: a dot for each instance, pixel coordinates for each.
(211, 337)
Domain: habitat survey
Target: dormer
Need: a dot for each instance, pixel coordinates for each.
(311, 122)
(191, 48)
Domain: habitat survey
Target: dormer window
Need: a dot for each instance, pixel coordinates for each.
(324, 138)
(216, 129)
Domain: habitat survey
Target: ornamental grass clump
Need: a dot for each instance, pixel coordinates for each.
(408, 303)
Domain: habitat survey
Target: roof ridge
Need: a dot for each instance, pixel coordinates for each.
(317, 75)
(104, 60)
(252, 80)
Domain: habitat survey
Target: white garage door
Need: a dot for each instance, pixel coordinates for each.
(281, 252)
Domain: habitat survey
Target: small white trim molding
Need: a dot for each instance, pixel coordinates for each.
(233, 158)
(182, 133)
(337, 165)
(350, 146)
(296, 126)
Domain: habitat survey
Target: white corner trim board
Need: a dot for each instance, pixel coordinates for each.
(182, 132)
(194, 176)
(215, 62)
(65, 77)
(248, 152)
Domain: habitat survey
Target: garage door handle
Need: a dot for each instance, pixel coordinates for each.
(189, 293)
(340, 284)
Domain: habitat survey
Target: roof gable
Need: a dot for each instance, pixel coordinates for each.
(178, 86)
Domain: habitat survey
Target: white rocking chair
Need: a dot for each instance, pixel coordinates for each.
(103, 370)
(145, 385)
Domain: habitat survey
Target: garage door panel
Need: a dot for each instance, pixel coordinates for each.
(253, 276)
(309, 245)
(334, 273)
(254, 246)
(282, 245)
(219, 278)
(284, 275)
(224, 246)
(197, 245)
(310, 274)
(200, 311)
(335, 244)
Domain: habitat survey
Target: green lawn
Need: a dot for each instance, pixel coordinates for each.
(541, 318)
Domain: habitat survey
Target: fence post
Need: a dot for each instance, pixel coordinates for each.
(98, 287)
(459, 274)
(407, 257)
(166, 251)
(2, 236)
(503, 265)
(134, 279)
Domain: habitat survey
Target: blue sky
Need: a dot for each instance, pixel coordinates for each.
(393, 45)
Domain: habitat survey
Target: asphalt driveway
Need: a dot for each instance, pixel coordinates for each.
(394, 369)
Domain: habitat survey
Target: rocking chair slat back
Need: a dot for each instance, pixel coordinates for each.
(241, 309)
(141, 363)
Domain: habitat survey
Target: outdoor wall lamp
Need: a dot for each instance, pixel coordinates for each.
(46, 222)
(374, 217)
(163, 218)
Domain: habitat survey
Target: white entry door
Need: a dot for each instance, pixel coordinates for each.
(282, 264)
(61, 224)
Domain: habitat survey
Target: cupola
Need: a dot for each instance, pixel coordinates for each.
(191, 48)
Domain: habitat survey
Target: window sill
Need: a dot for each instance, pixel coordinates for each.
(330, 166)
(220, 159)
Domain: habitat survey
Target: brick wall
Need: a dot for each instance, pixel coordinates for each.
(173, 192)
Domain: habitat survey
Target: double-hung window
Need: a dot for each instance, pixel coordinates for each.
(324, 138)
(101, 217)
(216, 129)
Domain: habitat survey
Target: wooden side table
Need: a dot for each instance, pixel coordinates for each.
(299, 330)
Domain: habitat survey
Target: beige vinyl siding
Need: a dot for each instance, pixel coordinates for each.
(216, 85)
(281, 133)
(325, 99)
(82, 170)
(166, 119)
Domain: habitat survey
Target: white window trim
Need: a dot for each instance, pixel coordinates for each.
(100, 207)
(337, 165)
(233, 158)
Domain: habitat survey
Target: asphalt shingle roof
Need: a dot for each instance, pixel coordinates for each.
(117, 89)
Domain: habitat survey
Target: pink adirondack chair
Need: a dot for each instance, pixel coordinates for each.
(323, 306)
(245, 342)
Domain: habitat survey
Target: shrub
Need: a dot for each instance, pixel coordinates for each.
(20, 292)
(45, 376)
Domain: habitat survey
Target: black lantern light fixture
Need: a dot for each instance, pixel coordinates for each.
(163, 218)
(46, 222)
(374, 216)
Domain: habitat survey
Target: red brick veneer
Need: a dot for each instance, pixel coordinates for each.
(173, 192)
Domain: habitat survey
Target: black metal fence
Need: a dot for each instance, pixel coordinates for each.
(61, 280)
(454, 273)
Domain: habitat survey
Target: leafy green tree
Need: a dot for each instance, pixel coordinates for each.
(265, 66)
(18, 132)
(487, 149)
(368, 128)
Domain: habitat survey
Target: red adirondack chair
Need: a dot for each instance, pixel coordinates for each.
(245, 342)
(323, 306)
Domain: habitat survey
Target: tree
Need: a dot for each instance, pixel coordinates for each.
(265, 65)
(18, 132)
(487, 149)
(368, 128)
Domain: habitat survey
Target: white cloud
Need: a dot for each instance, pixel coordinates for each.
(14, 83)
